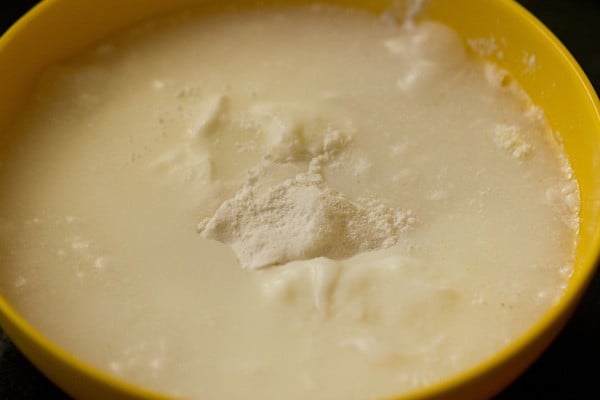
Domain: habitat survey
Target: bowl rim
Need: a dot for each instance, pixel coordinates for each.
(568, 300)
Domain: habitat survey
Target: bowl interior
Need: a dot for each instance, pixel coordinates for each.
(514, 39)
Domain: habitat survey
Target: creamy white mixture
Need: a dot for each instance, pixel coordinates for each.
(303, 202)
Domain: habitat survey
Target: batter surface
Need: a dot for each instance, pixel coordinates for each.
(287, 202)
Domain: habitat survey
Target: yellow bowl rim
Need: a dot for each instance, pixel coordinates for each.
(567, 301)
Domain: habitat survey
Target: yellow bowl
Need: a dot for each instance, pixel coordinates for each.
(513, 38)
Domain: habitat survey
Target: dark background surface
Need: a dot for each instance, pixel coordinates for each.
(567, 370)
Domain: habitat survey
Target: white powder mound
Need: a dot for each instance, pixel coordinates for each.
(300, 219)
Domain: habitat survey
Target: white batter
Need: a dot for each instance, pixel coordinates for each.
(304, 202)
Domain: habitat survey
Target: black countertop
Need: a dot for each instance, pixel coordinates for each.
(567, 370)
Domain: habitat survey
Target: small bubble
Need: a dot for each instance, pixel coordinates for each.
(158, 84)
(156, 363)
(101, 262)
(20, 281)
(115, 366)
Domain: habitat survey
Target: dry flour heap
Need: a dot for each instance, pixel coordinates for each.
(302, 218)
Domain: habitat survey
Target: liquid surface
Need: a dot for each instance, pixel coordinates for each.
(122, 152)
